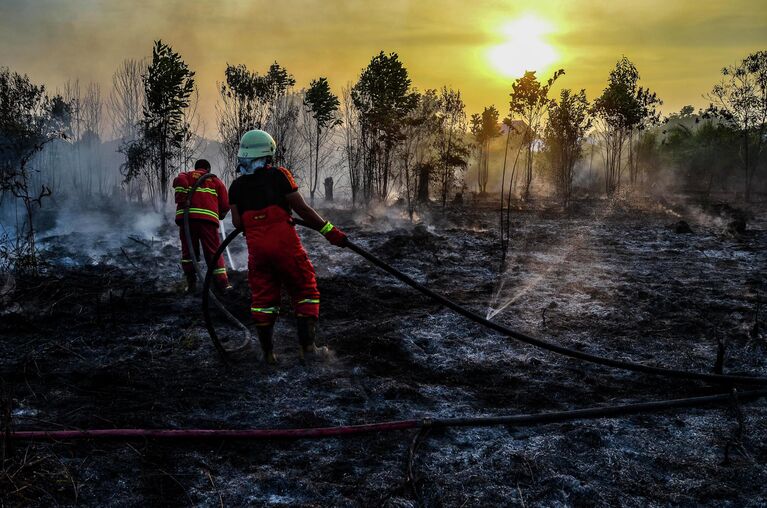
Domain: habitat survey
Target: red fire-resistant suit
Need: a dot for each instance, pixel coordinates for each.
(210, 203)
(275, 254)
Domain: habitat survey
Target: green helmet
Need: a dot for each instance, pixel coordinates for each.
(255, 144)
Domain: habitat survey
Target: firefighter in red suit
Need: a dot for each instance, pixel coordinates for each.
(262, 201)
(210, 203)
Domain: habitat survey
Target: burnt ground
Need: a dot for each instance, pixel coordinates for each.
(110, 340)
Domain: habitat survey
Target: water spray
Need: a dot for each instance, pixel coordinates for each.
(473, 316)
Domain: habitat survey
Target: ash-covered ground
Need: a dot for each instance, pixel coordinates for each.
(106, 339)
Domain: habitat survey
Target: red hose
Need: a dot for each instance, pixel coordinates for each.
(309, 433)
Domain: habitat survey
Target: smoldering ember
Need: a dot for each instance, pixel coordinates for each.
(411, 254)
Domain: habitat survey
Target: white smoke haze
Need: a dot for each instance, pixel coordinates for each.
(96, 233)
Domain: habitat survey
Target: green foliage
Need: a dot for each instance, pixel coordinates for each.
(383, 99)
(624, 104)
(382, 94)
(452, 150)
(529, 102)
(623, 108)
(740, 101)
(247, 102)
(168, 87)
(702, 151)
(565, 132)
(322, 103)
(530, 98)
(29, 119)
(485, 128)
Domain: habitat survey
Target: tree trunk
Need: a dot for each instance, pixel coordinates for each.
(423, 183)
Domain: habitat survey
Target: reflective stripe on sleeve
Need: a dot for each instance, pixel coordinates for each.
(219, 271)
(186, 260)
(310, 300)
(199, 189)
(327, 227)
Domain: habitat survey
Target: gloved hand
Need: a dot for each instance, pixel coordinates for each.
(334, 235)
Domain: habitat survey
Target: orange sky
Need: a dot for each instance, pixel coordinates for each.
(678, 45)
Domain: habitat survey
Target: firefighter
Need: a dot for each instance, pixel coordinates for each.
(262, 200)
(210, 204)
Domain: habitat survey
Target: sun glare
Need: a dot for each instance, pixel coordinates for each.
(525, 48)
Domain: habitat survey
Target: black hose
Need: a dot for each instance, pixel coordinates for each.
(540, 343)
(596, 412)
(206, 290)
(390, 426)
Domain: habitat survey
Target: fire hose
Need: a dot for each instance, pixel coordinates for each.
(422, 424)
(473, 316)
(207, 295)
(525, 420)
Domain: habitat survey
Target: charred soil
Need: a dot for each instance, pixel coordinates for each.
(111, 341)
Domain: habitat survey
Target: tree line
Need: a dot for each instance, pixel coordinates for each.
(381, 139)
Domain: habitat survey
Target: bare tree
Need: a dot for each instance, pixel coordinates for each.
(248, 101)
(126, 103)
(416, 151)
(192, 139)
(350, 128)
(452, 151)
(92, 119)
(283, 124)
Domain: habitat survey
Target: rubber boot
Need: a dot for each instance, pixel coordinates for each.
(191, 283)
(265, 335)
(307, 332)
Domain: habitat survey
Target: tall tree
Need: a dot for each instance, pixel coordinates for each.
(415, 152)
(383, 98)
(168, 87)
(126, 104)
(322, 105)
(352, 140)
(452, 152)
(622, 108)
(564, 135)
(475, 128)
(529, 102)
(485, 128)
(740, 100)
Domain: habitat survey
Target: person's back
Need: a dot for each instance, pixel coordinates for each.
(261, 201)
(208, 204)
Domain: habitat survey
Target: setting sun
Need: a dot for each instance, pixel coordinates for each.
(525, 49)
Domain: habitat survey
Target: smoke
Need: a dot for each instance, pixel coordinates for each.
(72, 232)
